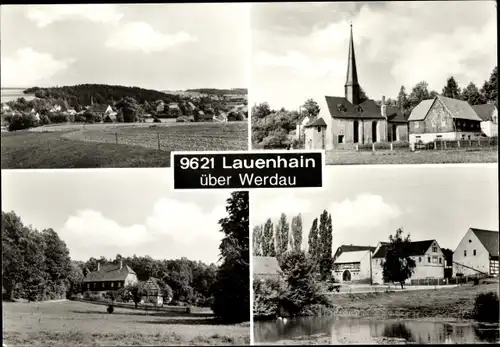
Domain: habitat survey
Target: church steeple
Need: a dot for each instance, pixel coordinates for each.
(351, 83)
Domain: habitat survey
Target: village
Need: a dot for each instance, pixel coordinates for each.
(192, 107)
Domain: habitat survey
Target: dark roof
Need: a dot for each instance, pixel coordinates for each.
(316, 123)
(352, 248)
(395, 115)
(485, 112)
(109, 272)
(265, 266)
(367, 109)
(416, 248)
(489, 239)
(458, 109)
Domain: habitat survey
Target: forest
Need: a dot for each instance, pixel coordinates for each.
(275, 128)
(213, 91)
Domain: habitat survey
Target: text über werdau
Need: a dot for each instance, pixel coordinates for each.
(248, 170)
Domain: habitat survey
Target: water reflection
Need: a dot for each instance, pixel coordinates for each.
(353, 330)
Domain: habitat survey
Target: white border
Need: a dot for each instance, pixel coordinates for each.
(298, 151)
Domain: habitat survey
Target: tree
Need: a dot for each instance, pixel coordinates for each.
(472, 95)
(261, 111)
(257, 240)
(268, 249)
(284, 230)
(403, 102)
(325, 242)
(490, 87)
(311, 108)
(419, 93)
(313, 239)
(129, 108)
(232, 286)
(277, 240)
(136, 292)
(451, 89)
(296, 236)
(362, 95)
(398, 265)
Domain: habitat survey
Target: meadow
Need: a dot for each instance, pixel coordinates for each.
(71, 323)
(450, 156)
(116, 145)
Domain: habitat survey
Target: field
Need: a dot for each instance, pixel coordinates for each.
(70, 323)
(456, 302)
(486, 155)
(116, 145)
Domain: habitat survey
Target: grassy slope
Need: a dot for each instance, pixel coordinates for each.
(489, 155)
(25, 150)
(451, 303)
(76, 323)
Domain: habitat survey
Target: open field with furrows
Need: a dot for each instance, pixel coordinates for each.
(106, 146)
(71, 323)
(484, 155)
(449, 303)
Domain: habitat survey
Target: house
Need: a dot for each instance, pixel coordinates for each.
(109, 277)
(351, 248)
(105, 111)
(153, 292)
(160, 107)
(265, 267)
(443, 118)
(429, 261)
(489, 119)
(477, 253)
(344, 121)
(71, 112)
(299, 129)
(353, 267)
(56, 108)
(191, 106)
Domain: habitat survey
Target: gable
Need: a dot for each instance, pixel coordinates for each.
(489, 239)
(421, 110)
(459, 109)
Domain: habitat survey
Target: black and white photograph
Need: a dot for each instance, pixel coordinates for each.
(122, 85)
(116, 257)
(377, 82)
(391, 255)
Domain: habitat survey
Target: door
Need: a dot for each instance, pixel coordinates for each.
(346, 276)
(374, 131)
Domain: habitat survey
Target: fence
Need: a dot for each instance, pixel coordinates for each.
(382, 146)
(179, 309)
(456, 144)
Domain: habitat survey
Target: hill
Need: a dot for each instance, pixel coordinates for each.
(213, 91)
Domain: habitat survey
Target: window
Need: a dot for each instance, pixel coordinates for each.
(319, 129)
(434, 260)
(417, 125)
(470, 241)
(474, 252)
(443, 122)
(429, 260)
(419, 259)
(119, 284)
(440, 260)
(88, 285)
(102, 284)
(112, 284)
(465, 253)
(433, 123)
(341, 138)
(434, 249)
(94, 285)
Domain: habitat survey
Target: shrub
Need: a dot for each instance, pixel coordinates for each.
(156, 120)
(44, 119)
(58, 118)
(24, 121)
(110, 309)
(486, 308)
(268, 294)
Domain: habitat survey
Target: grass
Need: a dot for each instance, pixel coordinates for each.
(71, 323)
(449, 303)
(72, 146)
(486, 155)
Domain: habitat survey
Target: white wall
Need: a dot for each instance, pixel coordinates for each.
(480, 261)
(450, 136)
(489, 128)
(360, 274)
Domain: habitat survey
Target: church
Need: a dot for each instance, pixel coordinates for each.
(344, 121)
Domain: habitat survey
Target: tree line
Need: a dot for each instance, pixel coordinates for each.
(37, 266)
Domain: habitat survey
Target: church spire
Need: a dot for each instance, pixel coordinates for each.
(351, 83)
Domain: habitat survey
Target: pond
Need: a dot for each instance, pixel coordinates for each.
(330, 330)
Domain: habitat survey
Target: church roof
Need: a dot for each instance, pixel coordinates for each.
(352, 72)
(340, 107)
(320, 122)
(485, 112)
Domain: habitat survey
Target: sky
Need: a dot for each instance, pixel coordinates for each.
(127, 211)
(367, 205)
(155, 46)
(300, 50)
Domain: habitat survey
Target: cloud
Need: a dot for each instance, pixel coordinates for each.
(45, 15)
(365, 211)
(174, 227)
(26, 67)
(264, 206)
(140, 36)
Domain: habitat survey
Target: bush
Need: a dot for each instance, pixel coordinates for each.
(486, 308)
(268, 294)
(110, 309)
(58, 118)
(156, 120)
(44, 120)
(24, 121)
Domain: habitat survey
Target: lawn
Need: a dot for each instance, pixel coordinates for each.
(95, 146)
(447, 303)
(486, 155)
(71, 323)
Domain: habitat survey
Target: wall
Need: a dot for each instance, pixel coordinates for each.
(360, 271)
(131, 279)
(314, 138)
(346, 127)
(449, 136)
(103, 286)
(489, 128)
(438, 120)
(401, 132)
(480, 261)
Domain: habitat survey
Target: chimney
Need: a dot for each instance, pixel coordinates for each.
(98, 266)
(383, 107)
(121, 264)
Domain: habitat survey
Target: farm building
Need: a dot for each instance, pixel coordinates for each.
(104, 111)
(353, 267)
(265, 267)
(443, 118)
(477, 253)
(351, 248)
(489, 118)
(153, 292)
(429, 260)
(109, 277)
(346, 120)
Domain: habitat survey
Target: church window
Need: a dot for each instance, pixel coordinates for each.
(88, 285)
(341, 138)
